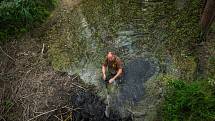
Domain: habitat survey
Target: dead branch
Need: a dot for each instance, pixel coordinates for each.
(79, 86)
(2, 118)
(69, 117)
(32, 94)
(42, 49)
(45, 113)
(7, 54)
(72, 109)
(57, 118)
(72, 79)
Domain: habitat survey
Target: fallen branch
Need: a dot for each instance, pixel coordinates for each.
(42, 49)
(58, 118)
(79, 86)
(2, 118)
(45, 113)
(69, 117)
(32, 94)
(72, 79)
(7, 54)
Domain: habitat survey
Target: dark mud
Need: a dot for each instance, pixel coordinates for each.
(92, 108)
(137, 72)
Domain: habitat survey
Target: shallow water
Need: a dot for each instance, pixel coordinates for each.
(102, 26)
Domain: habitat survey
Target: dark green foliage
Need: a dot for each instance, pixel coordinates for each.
(189, 102)
(18, 16)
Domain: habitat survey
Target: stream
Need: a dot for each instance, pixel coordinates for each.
(95, 27)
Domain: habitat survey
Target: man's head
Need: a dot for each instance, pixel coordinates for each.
(110, 56)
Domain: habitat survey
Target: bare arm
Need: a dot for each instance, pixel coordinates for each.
(119, 72)
(104, 72)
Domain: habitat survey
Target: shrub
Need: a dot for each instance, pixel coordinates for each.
(18, 16)
(189, 102)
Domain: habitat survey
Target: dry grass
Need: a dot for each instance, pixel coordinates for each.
(29, 84)
(30, 88)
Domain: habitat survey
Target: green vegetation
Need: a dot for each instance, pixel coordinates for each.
(189, 101)
(193, 101)
(174, 30)
(19, 16)
(183, 34)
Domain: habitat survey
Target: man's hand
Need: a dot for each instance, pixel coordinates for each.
(104, 77)
(111, 80)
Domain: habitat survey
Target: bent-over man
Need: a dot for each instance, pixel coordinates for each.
(114, 67)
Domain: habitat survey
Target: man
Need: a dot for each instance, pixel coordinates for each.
(114, 66)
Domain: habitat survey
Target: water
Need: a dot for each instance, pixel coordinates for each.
(106, 26)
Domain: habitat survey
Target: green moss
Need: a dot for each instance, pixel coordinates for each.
(177, 31)
(187, 66)
(164, 78)
(60, 60)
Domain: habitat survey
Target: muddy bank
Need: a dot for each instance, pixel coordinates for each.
(92, 108)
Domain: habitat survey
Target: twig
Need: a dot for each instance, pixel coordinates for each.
(41, 55)
(7, 54)
(57, 118)
(43, 49)
(79, 86)
(32, 94)
(71, 113)
(1, 63)
(61, 115)
(69, 117)
(3, 91)
(2, 118)
(72, 80)
(44, 113)
(72, 109)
